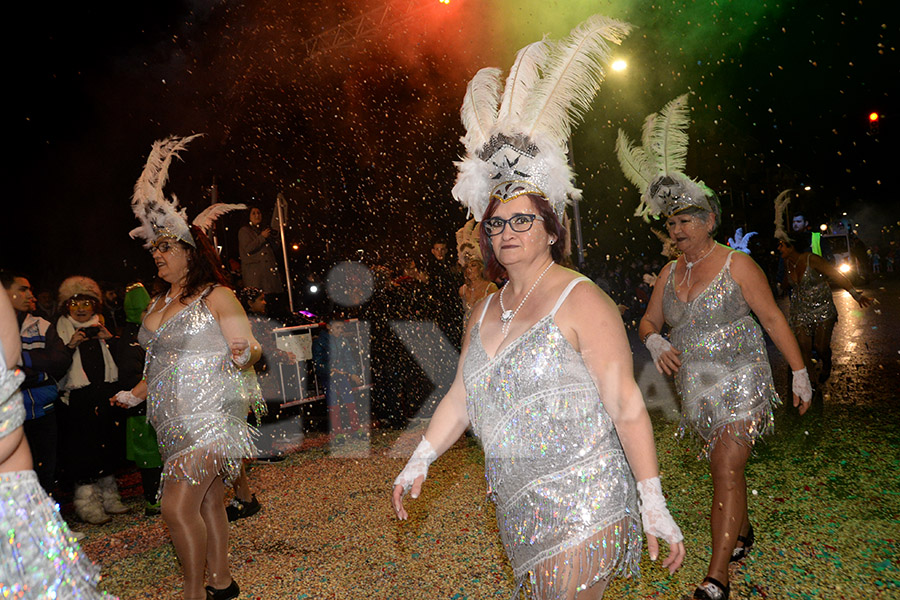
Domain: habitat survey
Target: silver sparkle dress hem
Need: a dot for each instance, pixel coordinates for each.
(812, 302)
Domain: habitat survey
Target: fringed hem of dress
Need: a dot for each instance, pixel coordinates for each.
(223, 456)
(745, 430)
(611, 551)
(39, 556)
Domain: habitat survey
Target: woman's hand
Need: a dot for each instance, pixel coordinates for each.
(665, 357)
(77, 337)
(399, 492)
(103, 333)
(240, 351)
(802, 389)
(658, 522)
(125, 399)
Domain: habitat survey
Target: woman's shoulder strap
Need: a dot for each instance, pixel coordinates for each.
(565, 293)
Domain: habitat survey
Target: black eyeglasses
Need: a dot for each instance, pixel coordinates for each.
(518, 223)
(163, 247)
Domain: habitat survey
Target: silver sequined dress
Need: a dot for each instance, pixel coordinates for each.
(39, 556)
(811, 299)
(554, 465)
(197, 399)
(725, 381)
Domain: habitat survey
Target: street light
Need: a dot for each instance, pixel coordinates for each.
(619, 65)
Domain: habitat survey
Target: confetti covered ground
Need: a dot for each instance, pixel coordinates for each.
(825, 503)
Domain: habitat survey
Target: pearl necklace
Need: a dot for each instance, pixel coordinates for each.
(690, 265)
(506, 316)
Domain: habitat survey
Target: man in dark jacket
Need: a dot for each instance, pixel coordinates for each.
(45, 359)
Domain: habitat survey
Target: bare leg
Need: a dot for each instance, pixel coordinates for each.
(192, 532)
(242, 486)
(822, 344)
(729, 517)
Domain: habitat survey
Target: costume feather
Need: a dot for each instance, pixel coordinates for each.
(479, 108)
(149, 203)
(526, 70)
(207, 218)
(740, 241)
(781, 208)
(633, 160)
(571, 76)
(668, 135)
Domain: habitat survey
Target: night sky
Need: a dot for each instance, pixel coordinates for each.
(361, 138)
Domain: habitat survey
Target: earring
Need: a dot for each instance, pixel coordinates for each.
(552, 241)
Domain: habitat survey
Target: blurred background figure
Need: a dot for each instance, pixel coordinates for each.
(259, 267)
(91, 431)
(475, 287)
(336, 355)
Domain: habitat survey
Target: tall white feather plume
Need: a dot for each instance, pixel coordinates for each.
(634, 162)
(668, 135)
(781, 208)
(149, 203)
(205, 220)
(740, 241)
(526, 70)
(571, 77)
(479, 108)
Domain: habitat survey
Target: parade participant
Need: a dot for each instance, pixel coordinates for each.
(39, 556)
(198, 344)
(475, 286)
(545, 377)
(91, 432)
(717, 353)
(813, 314)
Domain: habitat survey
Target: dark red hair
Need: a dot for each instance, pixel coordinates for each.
(492, 267)
(204, 268)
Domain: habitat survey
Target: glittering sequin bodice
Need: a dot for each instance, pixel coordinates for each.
(553, 462)
(811, 299)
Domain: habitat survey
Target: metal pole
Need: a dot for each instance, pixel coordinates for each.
(576, 217)
(279, 203)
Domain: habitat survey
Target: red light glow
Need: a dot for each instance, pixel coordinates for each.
(873, 117)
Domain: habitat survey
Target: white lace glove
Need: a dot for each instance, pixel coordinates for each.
(417, 465)
(654, 514)
(127, 399)
(657, 345)
(801, 385)
(242, 359)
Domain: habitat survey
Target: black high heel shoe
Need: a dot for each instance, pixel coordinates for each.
(232, 591)
(741, 553)
(712, 589)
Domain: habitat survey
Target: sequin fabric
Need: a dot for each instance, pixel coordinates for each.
(564, 492)
(725, 381)
(197, 399)
(811, 299)
(39, 556)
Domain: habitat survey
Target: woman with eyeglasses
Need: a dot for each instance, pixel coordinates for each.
(91, 432)
(545, 381)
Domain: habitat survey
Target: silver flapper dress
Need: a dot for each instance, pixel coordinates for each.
(39, 556)
(564, 493)
(197, 399)
(811, 299)
(725, 380)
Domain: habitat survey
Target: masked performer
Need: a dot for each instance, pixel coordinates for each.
(717, 353)
(545, 377)
(199, 345)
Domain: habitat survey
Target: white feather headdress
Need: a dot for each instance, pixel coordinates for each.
(656, 167)
(159, 216)
(781, 207)
(516, 141)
